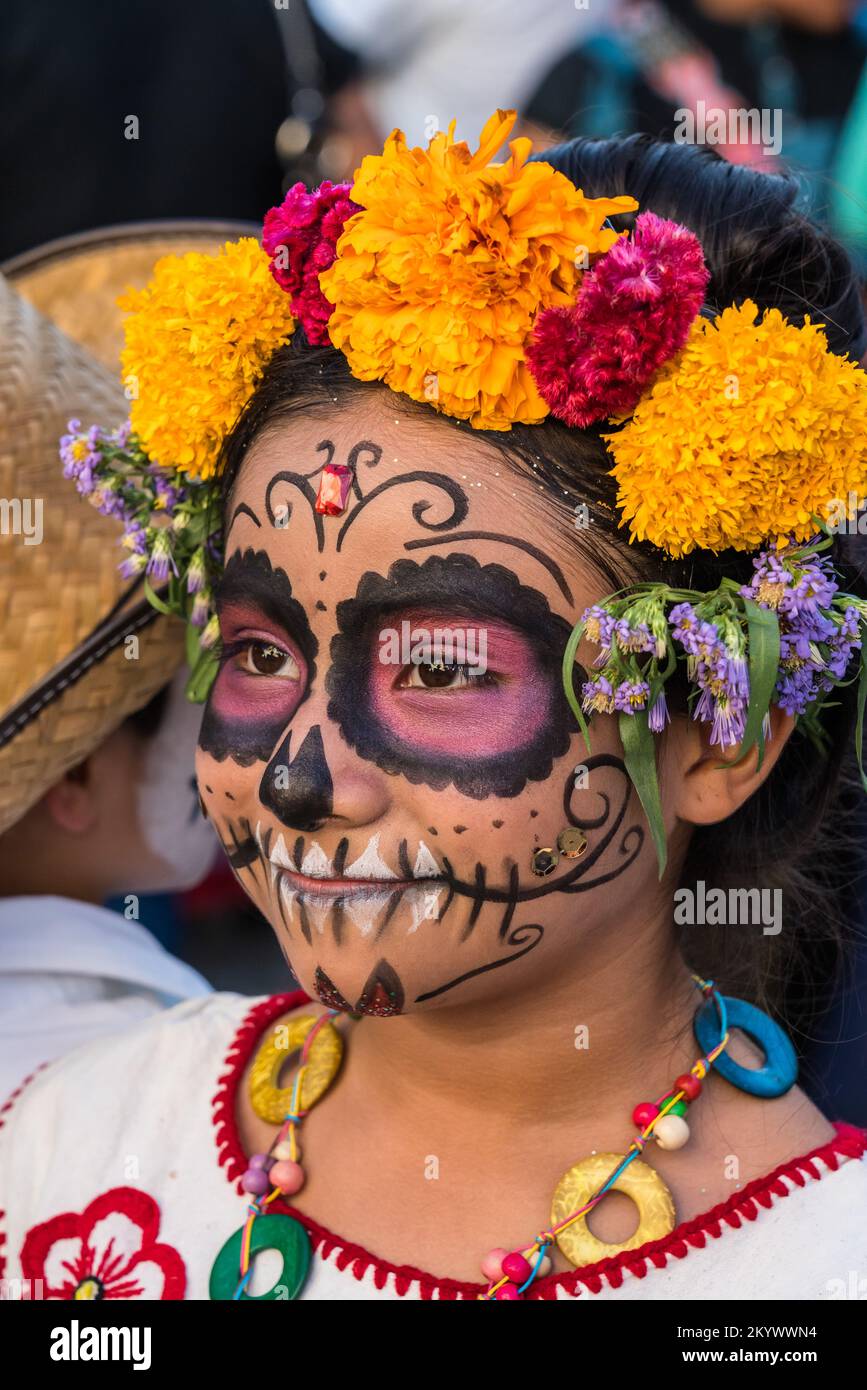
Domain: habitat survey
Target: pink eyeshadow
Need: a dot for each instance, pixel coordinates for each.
(238, 693)
(480, 722)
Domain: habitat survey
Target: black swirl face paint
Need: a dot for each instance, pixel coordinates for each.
(246, 713)
(486, 740)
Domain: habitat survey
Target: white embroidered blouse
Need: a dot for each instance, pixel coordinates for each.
(143, 1210)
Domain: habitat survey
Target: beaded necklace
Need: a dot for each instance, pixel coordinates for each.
(510, 1274)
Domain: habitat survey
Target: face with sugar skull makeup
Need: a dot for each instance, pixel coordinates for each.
(387, 742)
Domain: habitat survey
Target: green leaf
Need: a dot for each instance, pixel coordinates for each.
(862, 700)
(194, 651)
(569, 681)
(202, 675)
(763, 652)
(155, 601)
(640, 758)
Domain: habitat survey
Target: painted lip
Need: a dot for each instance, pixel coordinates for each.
(351, 887)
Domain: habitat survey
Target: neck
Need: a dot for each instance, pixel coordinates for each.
(611, 1029)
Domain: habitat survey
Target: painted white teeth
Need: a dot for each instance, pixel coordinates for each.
(370, 863)
(364, 912)
(425, 864)
(316, 863)
(424, 905)
(280, 854)
(288, 896)
(318, 913)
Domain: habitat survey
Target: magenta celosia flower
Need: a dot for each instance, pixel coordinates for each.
(593, 360)
(300, 237)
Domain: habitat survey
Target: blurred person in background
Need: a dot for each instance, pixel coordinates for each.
(414, 63)
(96, 737)
(655, 61)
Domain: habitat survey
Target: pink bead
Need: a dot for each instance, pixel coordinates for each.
(644, 1113)
(507, 1291)
(517, 1268)
(255, 1181)
(492, 1264)
(288, 1176)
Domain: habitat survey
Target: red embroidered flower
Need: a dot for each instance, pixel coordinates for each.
(110, 1250)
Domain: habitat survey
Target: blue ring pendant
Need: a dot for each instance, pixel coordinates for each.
(780, 1071)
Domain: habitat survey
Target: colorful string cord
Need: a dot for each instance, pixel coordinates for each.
(666, 1102)
(291, 1120)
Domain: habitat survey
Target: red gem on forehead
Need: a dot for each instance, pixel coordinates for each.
(334, 484)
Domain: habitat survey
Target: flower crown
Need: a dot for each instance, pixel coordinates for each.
(500, 294)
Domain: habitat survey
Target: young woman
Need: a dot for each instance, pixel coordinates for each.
(503, 991)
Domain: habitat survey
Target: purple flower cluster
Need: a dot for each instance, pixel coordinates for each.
(80, 454)
(817, 639)
(136, 542)
(719, 670)
(815, 645)
(603, 628)
(86, 461)
(604, 696)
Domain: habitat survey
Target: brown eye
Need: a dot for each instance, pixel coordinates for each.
(436, 674)
(267, 659)
(442, 675)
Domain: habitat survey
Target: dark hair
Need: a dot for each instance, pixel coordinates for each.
(757, 245)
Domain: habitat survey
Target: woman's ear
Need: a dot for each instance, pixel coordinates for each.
(711, 783)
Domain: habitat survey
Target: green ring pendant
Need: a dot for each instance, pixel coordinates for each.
(274, 1232)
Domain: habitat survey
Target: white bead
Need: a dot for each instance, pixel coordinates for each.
(671, 1132)
(284, 1149)
(545, 1266)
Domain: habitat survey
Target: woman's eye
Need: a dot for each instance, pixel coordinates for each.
(267, 659)
(441, 675)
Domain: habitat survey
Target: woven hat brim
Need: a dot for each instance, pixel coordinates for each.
(83, 701)
(75, 281)
(55, 596)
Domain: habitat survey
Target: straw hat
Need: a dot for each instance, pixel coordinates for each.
(80, 647)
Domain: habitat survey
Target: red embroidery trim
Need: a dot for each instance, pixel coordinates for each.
(849, 1142)
(4, 1115)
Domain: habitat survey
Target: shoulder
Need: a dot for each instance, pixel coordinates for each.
(170, 1051)
(195, 1025)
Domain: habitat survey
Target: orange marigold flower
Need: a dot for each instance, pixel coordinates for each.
(747, 436)
(438, 280)
(197, 338)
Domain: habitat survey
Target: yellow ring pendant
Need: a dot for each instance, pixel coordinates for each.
(656, 1216)
(272, 1102)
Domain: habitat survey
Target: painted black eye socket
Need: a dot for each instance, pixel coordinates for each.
(452, 583)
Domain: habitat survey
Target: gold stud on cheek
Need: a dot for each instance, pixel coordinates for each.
(544, 861)
(571, 843)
